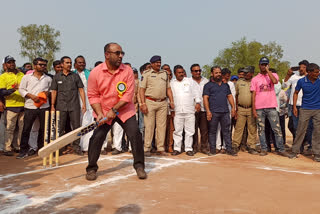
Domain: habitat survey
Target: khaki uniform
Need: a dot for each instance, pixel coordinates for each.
(155, 84)
(244, 115)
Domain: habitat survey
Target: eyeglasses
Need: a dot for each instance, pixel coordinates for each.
(117, 53)
(197, 71)
(42, 65)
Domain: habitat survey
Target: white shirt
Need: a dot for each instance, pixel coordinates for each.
(199, 89)
(292, 81)
(85, 84)
(32, 85)
(233, 92)
(185, 95)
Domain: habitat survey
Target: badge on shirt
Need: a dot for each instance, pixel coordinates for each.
(59, 82)
(121, 88)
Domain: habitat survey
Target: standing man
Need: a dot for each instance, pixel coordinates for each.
(291, 79)
(9, 85)
(154, 89)
(200, 116)
(187, 101)
(244, 113)
(264, 104)
(30, 88)
(310, 109)
(216, 96)
(110, 92)
(57, 66)
(65, 88)
(170, 116)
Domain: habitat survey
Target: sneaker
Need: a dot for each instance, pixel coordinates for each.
(78, 152)
(116, 152)
(175, 152)
(223, 151)
(317, 158)
(284, 153)
(91, 175)
(32, 152)
(190, 153)
(231, 153)
(147, 154)
(153, 150)
(293, 155)
(204, 151)
(263, 153)
(22, 155)
(253, 152)
(141, 173)
(8, 153)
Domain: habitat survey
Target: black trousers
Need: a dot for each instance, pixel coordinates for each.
(74, 117)
(131, 128)
(202, 124)
(30, 115)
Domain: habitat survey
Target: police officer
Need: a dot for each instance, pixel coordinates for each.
(244, 113)
(154, 89)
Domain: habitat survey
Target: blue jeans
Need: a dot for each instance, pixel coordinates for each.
(224, 120)
(141, 124)
(273, 117)
(308, 136)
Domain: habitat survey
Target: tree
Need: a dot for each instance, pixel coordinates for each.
(243, 53)
(39, 41)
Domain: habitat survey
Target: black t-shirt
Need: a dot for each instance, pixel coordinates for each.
(67, 87)
(218, 101)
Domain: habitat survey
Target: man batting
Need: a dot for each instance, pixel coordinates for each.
(110, 92)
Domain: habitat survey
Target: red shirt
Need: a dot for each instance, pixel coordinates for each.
(102, 89)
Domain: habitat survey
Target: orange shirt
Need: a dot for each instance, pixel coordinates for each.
(102, 89)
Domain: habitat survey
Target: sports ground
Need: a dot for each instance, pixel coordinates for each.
(219, 184)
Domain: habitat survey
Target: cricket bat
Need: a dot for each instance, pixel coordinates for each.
(67, 139)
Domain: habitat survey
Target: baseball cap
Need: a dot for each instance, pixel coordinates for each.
(8, 58)
(264, 60)
(234, 77)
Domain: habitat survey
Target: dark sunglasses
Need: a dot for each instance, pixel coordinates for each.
(117, 53)
(196, 71)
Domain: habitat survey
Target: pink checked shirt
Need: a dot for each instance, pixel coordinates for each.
(102, 89)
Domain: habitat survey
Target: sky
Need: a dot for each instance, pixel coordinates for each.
(181, 31)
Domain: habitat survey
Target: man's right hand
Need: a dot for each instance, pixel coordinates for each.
(35, 98)
(295, 111)
(52, 108)
(2, 106)
(144, 108)
(100, 119)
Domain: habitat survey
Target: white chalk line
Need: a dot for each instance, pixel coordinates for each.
(22, 201)
(284, 170)
(112, 158)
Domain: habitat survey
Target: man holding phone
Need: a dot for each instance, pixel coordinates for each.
(264, 103)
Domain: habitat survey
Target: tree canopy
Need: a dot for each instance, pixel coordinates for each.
(243, 53)
(39, 41)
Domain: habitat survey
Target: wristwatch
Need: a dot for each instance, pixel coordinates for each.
(114, 110)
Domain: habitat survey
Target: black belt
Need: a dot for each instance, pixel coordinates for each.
(244, 106)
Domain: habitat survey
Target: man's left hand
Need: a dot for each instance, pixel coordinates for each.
(111, 115)
(172, 105)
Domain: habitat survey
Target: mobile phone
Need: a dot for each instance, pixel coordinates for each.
(295, 68)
